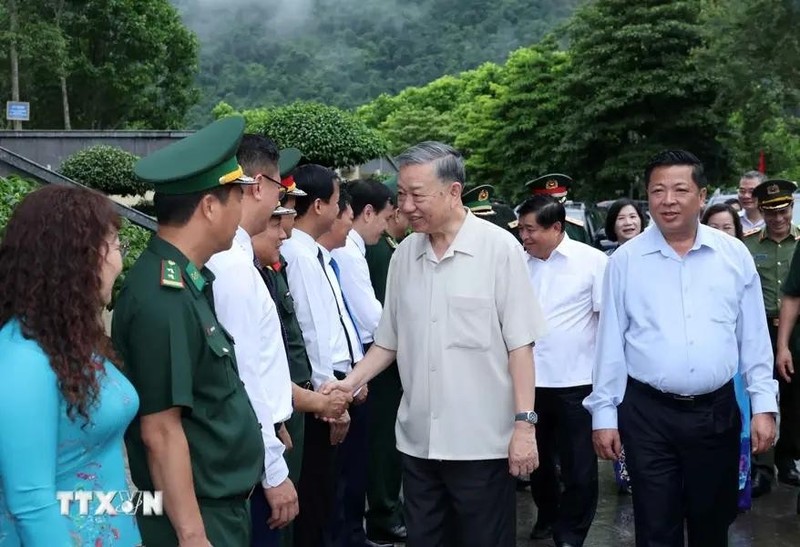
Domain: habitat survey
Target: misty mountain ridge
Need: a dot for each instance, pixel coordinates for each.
(346, 52)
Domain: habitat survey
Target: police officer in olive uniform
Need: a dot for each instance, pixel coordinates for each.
(196, 437)
(384, 517)
(558, 186)
(772, 248)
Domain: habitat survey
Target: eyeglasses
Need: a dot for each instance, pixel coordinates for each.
(282, 187)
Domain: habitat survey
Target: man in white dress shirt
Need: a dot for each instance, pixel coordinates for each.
(682, 312)
(370, 203)
(246, 309)
(315, 306)
(568, 277)
(750, 215)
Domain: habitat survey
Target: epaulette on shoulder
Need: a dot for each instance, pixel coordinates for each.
(514, 224)
(749, 233)
(575, 222)
(171, 275)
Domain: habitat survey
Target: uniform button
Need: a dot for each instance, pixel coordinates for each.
(779, 263)
(225, 350)
(691, 342)
(688, 316)
(691, 370)
(434, 319)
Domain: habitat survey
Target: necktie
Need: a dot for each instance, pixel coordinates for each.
(335, 268)
(336, 301)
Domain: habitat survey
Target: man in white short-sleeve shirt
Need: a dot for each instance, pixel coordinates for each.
(568, 277)
(461, 317)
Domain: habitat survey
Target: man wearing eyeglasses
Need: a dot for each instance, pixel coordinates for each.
(750, 213)
(246, 309)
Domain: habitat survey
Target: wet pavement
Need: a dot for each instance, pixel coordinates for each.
(772, 522)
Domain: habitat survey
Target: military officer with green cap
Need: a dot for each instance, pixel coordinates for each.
(384, 517)
(558, 185)
(196, 437)
(773, 247)
(479, 200)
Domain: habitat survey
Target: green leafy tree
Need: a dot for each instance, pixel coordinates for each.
(12, 190)
(635, 88)
(327, 135)
(105, 168)
(105, 64)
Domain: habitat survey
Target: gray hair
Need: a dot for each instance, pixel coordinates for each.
(758, 175)
(447, 161)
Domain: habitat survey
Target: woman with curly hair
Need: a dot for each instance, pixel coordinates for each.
(64, 405)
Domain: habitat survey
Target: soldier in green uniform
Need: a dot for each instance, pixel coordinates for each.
(196, 437)
(773, 247)
(384, 517)
(479, 201)
(558, 185)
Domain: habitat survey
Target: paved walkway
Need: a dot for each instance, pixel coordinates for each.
(771, 523)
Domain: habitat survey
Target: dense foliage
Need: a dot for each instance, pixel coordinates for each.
(12, 190)
(124, 63)
(327, 135)
(634, 78)
(104, 168)
(346, 52)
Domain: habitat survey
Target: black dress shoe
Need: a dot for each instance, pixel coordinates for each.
(396, 533)
(541, 531)
(368, 543)
(789, 476)
(761, 486)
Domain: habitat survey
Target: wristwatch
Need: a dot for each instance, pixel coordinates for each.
(530, 417)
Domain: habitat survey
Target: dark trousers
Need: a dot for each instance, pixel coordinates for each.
(315, 491)
(459, 503)
(683, 459)
(296, 426)
(384, 473)
(564, 431)
(352, 459)
(260, 513)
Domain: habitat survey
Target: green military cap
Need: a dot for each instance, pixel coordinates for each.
(201, 161)
(288, 160)
(554, 184)
(281, 211)
(391, 184)
(478, 200)
(775, 194)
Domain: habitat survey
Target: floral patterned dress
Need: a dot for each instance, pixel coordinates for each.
(43, 451)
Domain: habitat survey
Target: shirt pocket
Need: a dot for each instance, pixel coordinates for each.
(469, 322)
(221, 345)
(287, 304)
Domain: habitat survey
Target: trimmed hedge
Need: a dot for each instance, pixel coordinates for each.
(105, 168)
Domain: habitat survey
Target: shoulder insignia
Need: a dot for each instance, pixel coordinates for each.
(391, 241)
(514, 224)
(171, 275)
(749, 233)
(575, 222)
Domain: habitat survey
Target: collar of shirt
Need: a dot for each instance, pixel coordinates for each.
(305, 240)
(359, 241)
(794, 233)
(653, 241)
(326, 254)
(244, 241)
(464, 242)
(167, 251)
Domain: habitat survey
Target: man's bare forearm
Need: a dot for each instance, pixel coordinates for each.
(305, 400)
(787, 318)
(374, 362)
(520, 366)
(171, 470)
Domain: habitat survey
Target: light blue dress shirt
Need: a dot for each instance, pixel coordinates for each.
(681, 325)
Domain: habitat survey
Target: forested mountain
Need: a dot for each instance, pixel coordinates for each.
(346, 52)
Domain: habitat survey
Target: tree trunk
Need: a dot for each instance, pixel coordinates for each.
(65, 102)
(14, 55)
(63, 68)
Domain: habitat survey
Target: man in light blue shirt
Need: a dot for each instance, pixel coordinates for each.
(681, 310)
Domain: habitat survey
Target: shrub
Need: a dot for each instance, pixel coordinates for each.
(105, 168)
(12, 190)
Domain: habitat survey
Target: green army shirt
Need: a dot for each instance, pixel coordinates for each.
(772, 260)
(378, 258)
(299, 364)
(177, 354)
(576, 231)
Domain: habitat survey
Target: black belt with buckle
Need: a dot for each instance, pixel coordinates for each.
(680, 399)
